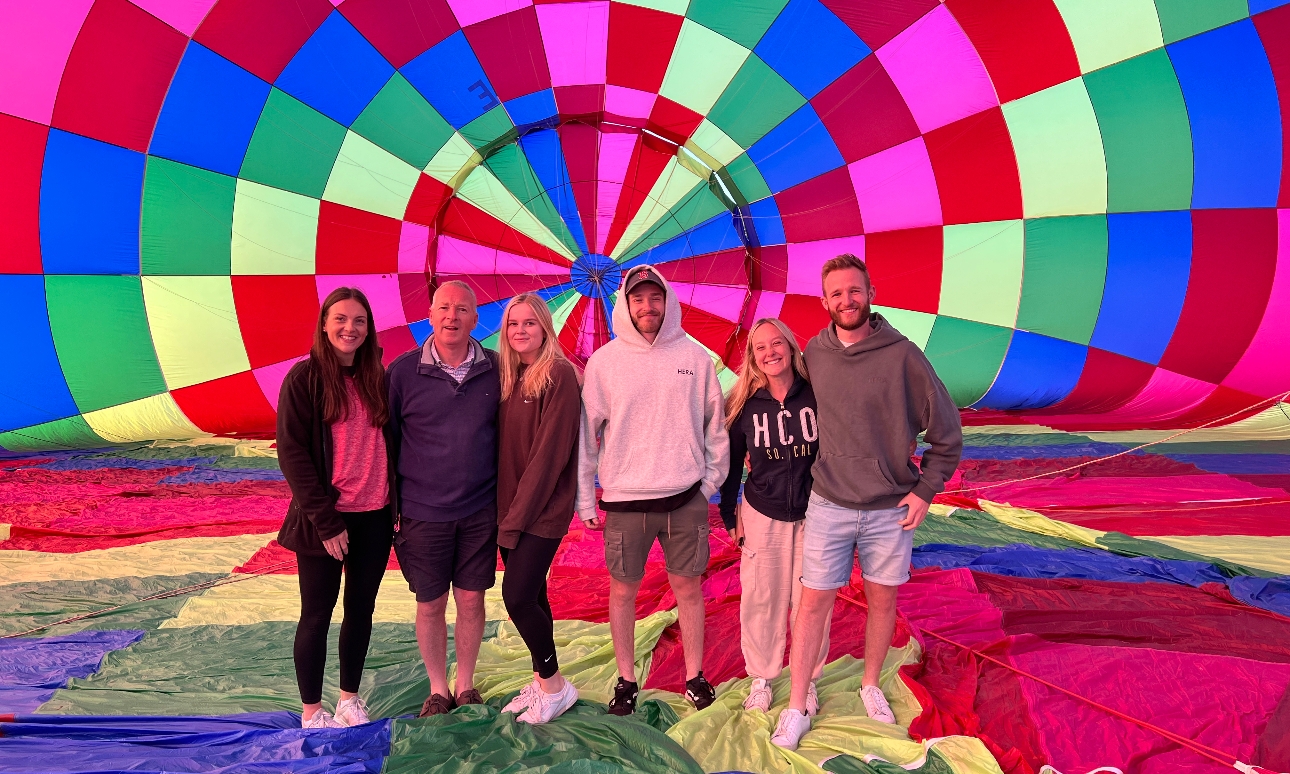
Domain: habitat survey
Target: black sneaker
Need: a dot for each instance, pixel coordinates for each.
(624, 701)
(700, 692)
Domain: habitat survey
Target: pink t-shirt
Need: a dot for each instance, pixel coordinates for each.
(359, 467)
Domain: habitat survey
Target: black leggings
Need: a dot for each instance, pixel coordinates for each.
(524, 592)
(370, 537)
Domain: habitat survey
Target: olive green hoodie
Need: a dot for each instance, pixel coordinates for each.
(874, 397)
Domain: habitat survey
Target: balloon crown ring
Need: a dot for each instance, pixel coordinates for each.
(595, 275)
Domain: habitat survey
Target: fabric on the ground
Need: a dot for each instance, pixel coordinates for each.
(162, 557)
(24, 606)
(32, 668)
(1271, 553)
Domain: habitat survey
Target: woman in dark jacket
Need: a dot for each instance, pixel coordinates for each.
(334, 450)
(770, 413)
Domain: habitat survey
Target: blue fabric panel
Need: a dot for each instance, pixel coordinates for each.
(720, 232)
(1268, 593)
(797, 150)
(89, 206)
(1147, 269)
(1258, 6)
(421, 330)
(490, 319)
(1038, 372)
(336, 71)
(257, 743)
(1091, 449)
(1023, 561)
(767, 225)
(1250, 464)
(210, 112)
(31, 669)
(810, 47)
(533, 109)
(32, 386)
(545, 155)
(222, 476)
(125, 463)
(1235, 117)
(450, 78)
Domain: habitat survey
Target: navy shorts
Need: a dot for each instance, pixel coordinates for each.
(435, 555)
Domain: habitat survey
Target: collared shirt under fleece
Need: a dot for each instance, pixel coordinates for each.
(652, 416)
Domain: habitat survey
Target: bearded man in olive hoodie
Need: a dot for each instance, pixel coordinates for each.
(875, 393)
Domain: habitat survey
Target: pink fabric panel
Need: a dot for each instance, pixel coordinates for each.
(457, 256)
(1166, 395)
(632, 103)
(382, 291)
(183, 15)
(1264, 369)
(937, 71)
(270, 378)
(896, 188)
(1135, 490)
(615, 156)
(35, 40)
(806, 258)
(768, 305)
(576, 38)
(414, 240)
(472, 11)
(721, 300)
(949, 602)
(587, 331)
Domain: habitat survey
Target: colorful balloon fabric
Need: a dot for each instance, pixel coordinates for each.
(1071, 205)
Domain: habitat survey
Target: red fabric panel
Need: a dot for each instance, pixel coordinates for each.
(820, 208)
(642, 171)
(284, 561)
(1234, 255)
(22, 155)
(711, 331)
(905, 267)
(467, 221)
(877, 23)
(971, 472)
(1273, 752)
(1223, 403)
(117, 74)
(805, 316)
(864, 111)
(770, 268)
(585, 101)
(427, 199)
(1258, 517)
(1108, 382)
(640, 46)
(495, 287)
(401, 29)
(232, 404)
(1274, 30)
(509, 48)
(1270, 480)
(261, 35)
(414, 292)
(1150, 493)
(673, 121)
(1023, 43)
(976, 169)
(581, 146)
(277, 315)
(352, 241)
(723, 268)
(394, 342)
(572, 330)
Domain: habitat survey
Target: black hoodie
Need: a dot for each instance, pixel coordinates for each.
(780, 440)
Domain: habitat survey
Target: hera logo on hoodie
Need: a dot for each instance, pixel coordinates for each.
(806, 425)
(685, 372)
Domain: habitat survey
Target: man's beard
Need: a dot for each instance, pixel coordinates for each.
(657, 322)
(863, 319)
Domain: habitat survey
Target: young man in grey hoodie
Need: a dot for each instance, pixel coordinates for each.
(875, 392)
(653, 429)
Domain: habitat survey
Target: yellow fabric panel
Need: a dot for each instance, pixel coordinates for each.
(672, 186)
(277, 598)
(368, 177)
(194, 328)
(586, 654)
(1265, 553)
(162, 557)
(142, 420)
(4, 531)
(1020, 518)
(453, 161)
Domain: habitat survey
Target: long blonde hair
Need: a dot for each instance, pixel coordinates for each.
(538, 377)
(751, 377)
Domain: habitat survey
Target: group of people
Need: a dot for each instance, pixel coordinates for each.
(456, 451)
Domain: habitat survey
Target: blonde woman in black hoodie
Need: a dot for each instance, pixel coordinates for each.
(770, 413)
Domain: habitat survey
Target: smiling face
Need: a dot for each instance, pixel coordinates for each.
(771, 352)
(524, 332)
(847, 296)
(453, 315)
(646, 304)
(346, 328)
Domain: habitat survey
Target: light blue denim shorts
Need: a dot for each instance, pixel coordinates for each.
(835, 534)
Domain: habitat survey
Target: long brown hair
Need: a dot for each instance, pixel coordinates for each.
(538, 377)
(369, 376)
(751, 377)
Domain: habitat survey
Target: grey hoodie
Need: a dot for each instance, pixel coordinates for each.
(652, 415)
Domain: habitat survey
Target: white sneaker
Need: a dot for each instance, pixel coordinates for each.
(812, 700)
(876, 704)
(549, 706)
(522, 702)
(321, 719)
(760, 696)
(790, 728)
(352, 712)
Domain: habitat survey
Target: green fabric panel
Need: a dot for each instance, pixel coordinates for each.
(1281, 446)
(1146, 134)
(700, 50)
(1120, 543)
(1065, 272)
(509, 165)
(66, 433)
(964, 527)
(24, 605)
(102, 337)
(747, 179)
(585, 740)
(934, 763)
(401, 121)
(1008, 439)
(293, 148)
(967, 356)
(695, 208)
(755, 102)
(743, 21)
(491, 128)
(187, 219)
(1183, 18)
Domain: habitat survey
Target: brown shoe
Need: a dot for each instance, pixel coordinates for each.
(437, 704)
(470, 696)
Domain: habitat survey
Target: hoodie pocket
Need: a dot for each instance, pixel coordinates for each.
(858, 479)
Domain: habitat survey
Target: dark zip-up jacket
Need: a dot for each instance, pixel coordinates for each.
(445, 434)
(780, 440)
(305, 456)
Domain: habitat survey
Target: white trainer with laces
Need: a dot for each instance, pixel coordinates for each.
(760, 696)
(792, 725)
(549, 706)
(876, 704)
(321, 719)
(525, 698)
(812, 700)
(352, 712)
